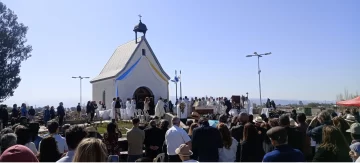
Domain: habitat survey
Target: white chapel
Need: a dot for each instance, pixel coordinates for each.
(133, 71)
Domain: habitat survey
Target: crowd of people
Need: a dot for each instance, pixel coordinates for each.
(327, 137)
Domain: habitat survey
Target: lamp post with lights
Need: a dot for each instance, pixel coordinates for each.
(259, 71)
(80, 78)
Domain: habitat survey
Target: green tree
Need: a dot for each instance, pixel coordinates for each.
(12, 51)
(313, 104)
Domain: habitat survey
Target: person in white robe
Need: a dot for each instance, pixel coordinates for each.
(128, 109)
(133, 107)
(182, 110)
(113, 111)
(146, 104)
(159, 108)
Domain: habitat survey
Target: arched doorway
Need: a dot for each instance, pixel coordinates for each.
(140, 94)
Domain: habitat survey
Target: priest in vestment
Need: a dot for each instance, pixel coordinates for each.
(159, 108)
(182, 112)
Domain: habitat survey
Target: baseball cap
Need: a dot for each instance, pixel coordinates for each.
(355, 147)
(183, 150)
(354, 128)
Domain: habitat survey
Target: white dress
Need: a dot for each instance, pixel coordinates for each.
(112, 112)
(133, 108)
(128, 110)
(159, 109)
(146, 106)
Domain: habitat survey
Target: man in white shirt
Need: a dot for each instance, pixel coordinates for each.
(73, 135)
(174, 137)
(53, 128)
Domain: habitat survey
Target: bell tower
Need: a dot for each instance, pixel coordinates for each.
(141, 27)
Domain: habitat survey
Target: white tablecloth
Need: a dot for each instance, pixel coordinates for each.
(105, 114)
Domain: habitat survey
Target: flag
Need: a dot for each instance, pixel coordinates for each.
(175, 80)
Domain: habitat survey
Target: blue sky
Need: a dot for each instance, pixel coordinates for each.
(314, 44)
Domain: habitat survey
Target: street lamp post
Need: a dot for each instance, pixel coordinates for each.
(80, 78)
(259, 71)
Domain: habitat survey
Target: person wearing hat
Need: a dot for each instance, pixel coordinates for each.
(184, 153)
(18, 153)
(354, 131)
(282, 152)
(355, 151)
(296, 139)
(350, 119)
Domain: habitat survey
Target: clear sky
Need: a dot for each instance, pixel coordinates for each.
(314, 44)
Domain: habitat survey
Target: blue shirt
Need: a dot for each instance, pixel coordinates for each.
(23, 112)
(284, 153)
(37, 142)
(68, 158)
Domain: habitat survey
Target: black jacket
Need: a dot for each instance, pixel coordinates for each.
(206, 141)
(31, 112)
(117, 104)
(323, 155)
(60, 111)
(251, 152)
(78, 108)
(237, 132)
(295, 138)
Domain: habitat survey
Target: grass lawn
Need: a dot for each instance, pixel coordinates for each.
(101, 128)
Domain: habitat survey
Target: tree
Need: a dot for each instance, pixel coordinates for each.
(301, 103)
(313, 104)
(346, 96)
(12, 51)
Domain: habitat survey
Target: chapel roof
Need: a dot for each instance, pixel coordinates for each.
(120, 59)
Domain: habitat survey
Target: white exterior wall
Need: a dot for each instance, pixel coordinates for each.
(142, 76)
(104, 85)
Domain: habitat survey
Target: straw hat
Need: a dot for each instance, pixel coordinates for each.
(258, 120)
(183, 150)
(350, 118)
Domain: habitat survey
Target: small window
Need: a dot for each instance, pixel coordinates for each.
(143, 52)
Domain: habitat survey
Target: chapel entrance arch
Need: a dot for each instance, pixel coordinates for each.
(140, 94)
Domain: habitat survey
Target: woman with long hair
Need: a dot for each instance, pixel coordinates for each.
(228, 152)
(251, 147)
(342, 125)
(333, 148)
(48, 150)
(191, 129)
(90, 150)
(111, 139)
